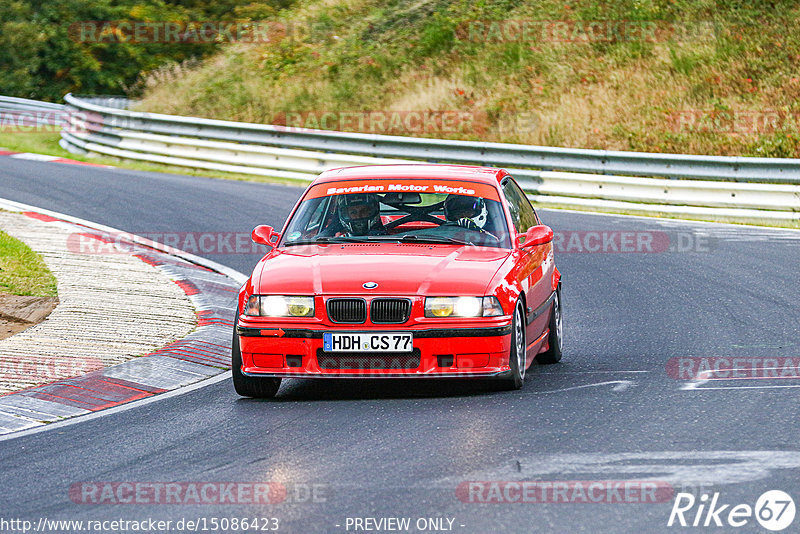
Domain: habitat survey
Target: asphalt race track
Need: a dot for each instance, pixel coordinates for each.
(613, 410)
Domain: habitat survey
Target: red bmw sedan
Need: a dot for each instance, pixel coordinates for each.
(408, 271)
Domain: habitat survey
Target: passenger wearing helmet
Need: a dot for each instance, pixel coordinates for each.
(359, 214)
(465, 211)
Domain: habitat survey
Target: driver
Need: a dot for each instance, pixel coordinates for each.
(360, 215)
(465, 211)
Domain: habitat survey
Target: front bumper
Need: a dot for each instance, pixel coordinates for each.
(452, 351)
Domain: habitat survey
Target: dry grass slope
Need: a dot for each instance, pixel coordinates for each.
(714, 78)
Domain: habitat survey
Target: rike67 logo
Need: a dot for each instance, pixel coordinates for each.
(774, 510)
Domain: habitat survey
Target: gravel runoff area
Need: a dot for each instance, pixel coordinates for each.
(112, 308)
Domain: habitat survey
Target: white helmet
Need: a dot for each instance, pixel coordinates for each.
(460, 207)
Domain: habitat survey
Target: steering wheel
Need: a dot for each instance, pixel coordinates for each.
(469, 224)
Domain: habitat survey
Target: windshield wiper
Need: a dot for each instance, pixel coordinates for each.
(422, 239)
(326, 239)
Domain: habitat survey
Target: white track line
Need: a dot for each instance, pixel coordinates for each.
(620, 385)
(746, 387)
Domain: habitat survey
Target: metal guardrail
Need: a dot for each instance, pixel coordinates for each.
(496, 154)
(108, 101)
(22, 111)
(24, 104)
(721, 188)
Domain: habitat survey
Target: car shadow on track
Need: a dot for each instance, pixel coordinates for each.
(331, 389)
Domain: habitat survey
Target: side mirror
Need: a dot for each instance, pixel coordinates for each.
(536, 235)
(263, 234)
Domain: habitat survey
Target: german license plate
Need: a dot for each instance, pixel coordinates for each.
(367, 342)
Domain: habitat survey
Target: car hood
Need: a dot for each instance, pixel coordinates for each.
(398, 269)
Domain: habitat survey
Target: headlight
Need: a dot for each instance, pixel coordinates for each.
(462, 307)
(280, 306)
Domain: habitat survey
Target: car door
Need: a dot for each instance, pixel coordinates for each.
(535, 264)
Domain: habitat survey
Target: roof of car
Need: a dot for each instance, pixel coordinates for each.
(489, 175)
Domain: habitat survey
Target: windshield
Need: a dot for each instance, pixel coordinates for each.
(333, 212)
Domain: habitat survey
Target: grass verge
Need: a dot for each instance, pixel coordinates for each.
(23, 271)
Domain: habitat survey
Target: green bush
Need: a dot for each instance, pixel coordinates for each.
(43, 56)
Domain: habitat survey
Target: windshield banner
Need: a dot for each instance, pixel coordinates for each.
(457, 187)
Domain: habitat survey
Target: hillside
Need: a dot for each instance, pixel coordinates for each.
(688, 76)
(49, 48)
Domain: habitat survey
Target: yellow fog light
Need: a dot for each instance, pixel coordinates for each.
(439, 307)
(301, 309)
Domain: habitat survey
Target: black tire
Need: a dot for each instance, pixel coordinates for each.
(556, 337)
(516, 376)
(247, 386)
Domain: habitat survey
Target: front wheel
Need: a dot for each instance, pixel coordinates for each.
(247, 386)
(516, 355)
(555, 339)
